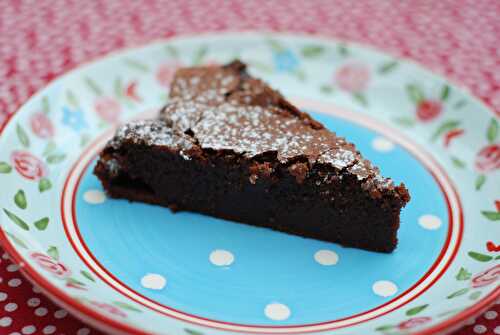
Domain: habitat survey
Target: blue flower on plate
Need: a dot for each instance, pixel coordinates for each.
(74, 118)
(285, 60)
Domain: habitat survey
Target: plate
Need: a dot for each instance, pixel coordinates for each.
(135, 268)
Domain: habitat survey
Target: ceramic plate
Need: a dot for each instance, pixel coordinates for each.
(135, 268)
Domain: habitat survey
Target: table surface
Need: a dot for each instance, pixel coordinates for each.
(40, 40)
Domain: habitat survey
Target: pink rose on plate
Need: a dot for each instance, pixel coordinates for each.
(109, 308)
(428, 110)
(486, 277)
(28, 166)
(108, 109)
(414, 322)
(353, 77)
(488, 159)
(51, 265)
(41, 125)
(165, 73)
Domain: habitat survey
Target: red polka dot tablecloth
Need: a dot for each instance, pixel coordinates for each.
(40, 40)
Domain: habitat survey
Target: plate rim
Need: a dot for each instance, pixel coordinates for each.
(104, 322)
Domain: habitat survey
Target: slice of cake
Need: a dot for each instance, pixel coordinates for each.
(229, 146)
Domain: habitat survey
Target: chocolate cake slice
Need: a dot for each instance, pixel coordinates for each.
(229, 146)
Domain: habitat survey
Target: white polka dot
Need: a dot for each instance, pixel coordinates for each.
(382, 144)
(33, 302)
(15, 282)
(384, 288)
(5, 321)
(326, 257)
(15, 333)
(430, 222)
(5, 255)
(94, 197)
(153, 281)
(277, 311)
(50, 329)
(60, 314)
(36, 289)
(41, 311)
(221, 257)
(480, 329)
(83, 331)
(3, 296)
(490, 315)
(28, 330)
(12, 267)
(10, 307)
(497, 330)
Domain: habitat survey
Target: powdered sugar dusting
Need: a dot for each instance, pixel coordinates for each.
(151, 132)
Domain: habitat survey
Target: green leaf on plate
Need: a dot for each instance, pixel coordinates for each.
(342, 49)
(360, 97)
(17, 220)
(326, 89)
(459, 104)
(126, 306)
(445, 92)
(45, 105)
(192, 331)
(312, 51)
(44, 184)
(53, 252)
(49, 148)
(457, 162)
(452, 311)
(87, 275)
(261, 66)
(17, 240)
(55, 158)
(22, 136)
(388, 67)
(480, 180)
(416, 310)
(414, 93)
(42, 224)
(458, 293)
(134, 64)
(75, 281)
(275, 45)
(475, 295)
(118, 87)
(445, 127)
(463, 274)
(5, 168)
(384, 328)
(498, 257)
(479, 257)
(490, 215)
(20, 199)
(172, 51)
(72, 99)
(405, 121)
(301, 75)
(492, 132)
(200, 54)
(92, 85)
